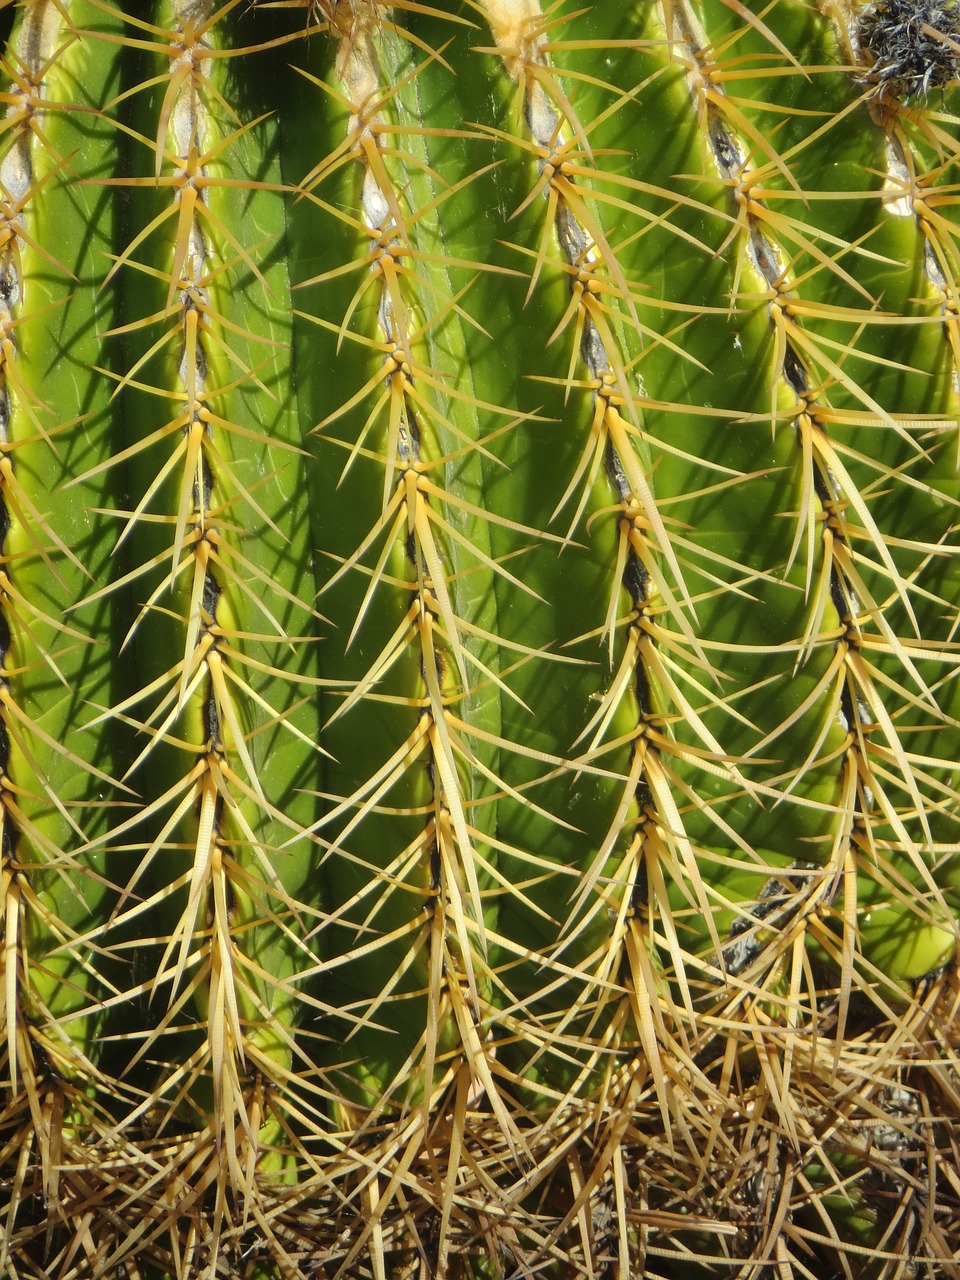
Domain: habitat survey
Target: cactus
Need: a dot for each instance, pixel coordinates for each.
(480, 638)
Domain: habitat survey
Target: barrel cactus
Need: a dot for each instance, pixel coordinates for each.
(479, 615)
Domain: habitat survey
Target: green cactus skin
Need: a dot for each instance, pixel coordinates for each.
(55, 789)
(480, 680)
(211, 453)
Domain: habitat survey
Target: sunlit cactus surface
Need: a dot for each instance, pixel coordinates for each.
(480, 625)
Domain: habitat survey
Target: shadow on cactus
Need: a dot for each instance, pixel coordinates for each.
(480, 618)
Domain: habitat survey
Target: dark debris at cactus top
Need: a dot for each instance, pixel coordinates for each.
(915, 46)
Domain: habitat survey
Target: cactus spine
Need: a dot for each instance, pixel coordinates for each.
(479, 614)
